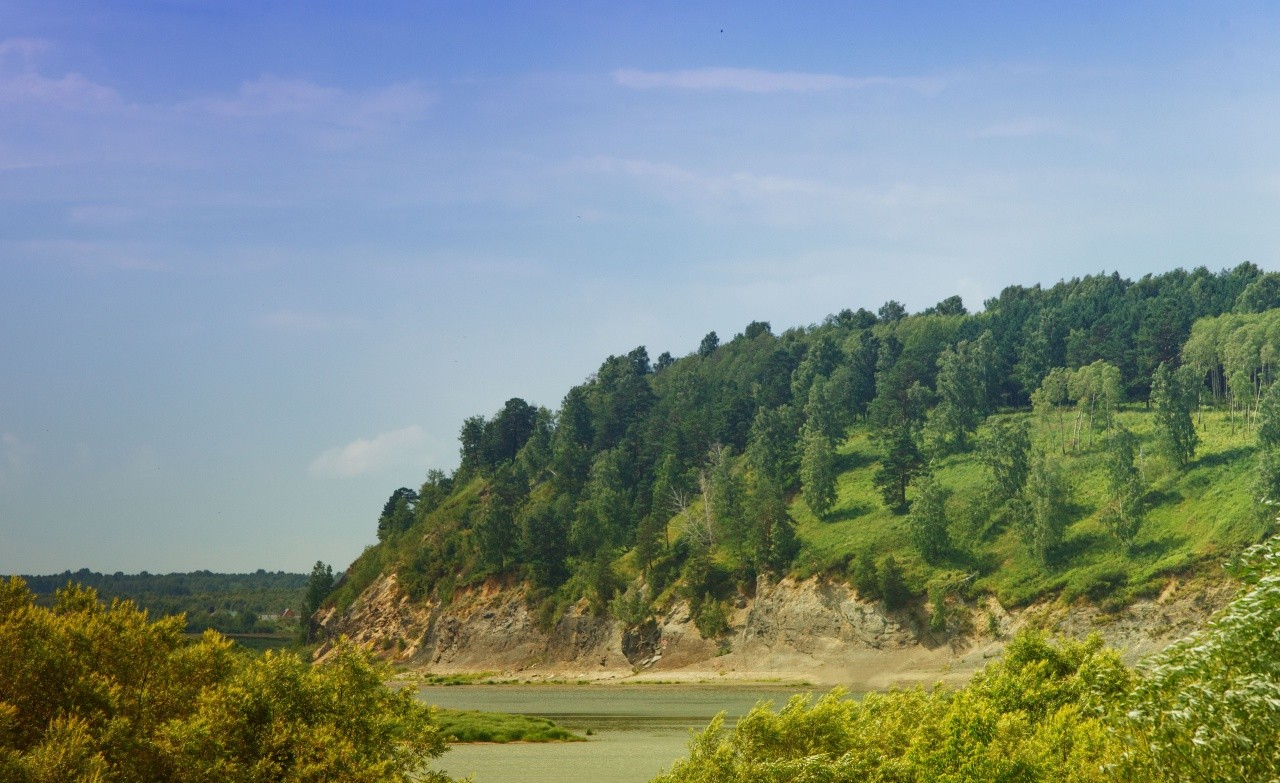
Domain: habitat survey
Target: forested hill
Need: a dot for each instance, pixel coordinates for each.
(1062, 438)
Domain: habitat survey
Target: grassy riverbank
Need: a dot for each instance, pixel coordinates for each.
(476, 726)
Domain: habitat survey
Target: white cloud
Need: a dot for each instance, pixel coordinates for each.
(755, 80)
(362, 456)
(21, 82)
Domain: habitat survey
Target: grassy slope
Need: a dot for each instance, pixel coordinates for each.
(1197, 517)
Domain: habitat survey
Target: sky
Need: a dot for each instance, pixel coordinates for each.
(258, 261)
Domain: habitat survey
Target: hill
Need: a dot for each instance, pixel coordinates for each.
(1091, 441)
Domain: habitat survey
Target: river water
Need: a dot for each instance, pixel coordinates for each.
(638, 731)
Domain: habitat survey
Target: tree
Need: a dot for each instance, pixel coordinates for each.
(892, 311)
(817, 457)
(1043, 516)
(1266, 484)
(1174, 395)
(571, 443)
(964, 396)
(319, 585)
(1098, 393)
(472, 444)
(952, 305)
(507, 432)
(722, 498)
(544, 541)
(1005, 451)
(397, 513)
(893, 585)
(496, 532)
(927, 521)
(866, 577)
(604, 511)
(708, 345)
(432, 493)
(773, 539)
(817, 472)
(1050, 401)
(1126, 489)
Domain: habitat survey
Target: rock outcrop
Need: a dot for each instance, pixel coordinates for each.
(807, 630)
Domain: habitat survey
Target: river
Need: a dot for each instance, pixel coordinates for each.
(638, 731)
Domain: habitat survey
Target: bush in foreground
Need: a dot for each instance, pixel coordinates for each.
(94, 694)
(1207, 709)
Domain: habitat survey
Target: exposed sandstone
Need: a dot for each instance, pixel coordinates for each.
(808, 630)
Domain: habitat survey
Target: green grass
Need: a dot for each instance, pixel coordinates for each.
(1197, 518)
(475, 726)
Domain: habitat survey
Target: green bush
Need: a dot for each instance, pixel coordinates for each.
(104, 694)
(475, 726)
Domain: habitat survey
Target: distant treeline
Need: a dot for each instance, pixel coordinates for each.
(230, 603)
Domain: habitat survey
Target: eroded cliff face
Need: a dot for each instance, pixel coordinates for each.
(811, 630)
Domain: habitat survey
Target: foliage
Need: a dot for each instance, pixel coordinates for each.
(928, 519)
(866, 577)
(319, 585)
(1126, 488)
(476, 726)
(1026, 718)
(711, 617)
(1045, 513)
(94, 693)
(1208, 708)
(1174, 396)
(1005, 452)
(893, 585)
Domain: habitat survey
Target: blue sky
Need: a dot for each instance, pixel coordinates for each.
(259, 260)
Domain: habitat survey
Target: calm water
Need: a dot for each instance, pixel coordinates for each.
(638, 730)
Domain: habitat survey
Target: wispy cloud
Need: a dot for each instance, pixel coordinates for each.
(21, 82)
(760, 81)
(278, 99)
(293, 321)
(798, 198)
(88, 254)
(363, 456)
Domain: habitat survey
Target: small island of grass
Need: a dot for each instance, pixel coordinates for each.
(476, 726)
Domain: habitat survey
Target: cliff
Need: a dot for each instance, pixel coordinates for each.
(811, 630)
